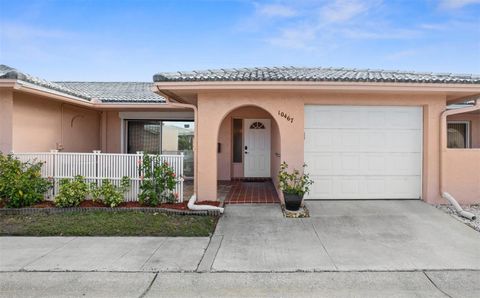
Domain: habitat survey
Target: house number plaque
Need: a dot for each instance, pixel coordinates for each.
(285, 115)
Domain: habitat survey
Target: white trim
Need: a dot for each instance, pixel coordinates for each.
(122, 136)
(171, 115)
(467, 132)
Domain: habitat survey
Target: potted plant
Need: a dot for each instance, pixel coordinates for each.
(293, 185)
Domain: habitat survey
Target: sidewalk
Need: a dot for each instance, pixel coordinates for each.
(324, 284)
(134, 254)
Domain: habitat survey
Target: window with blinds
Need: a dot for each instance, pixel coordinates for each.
(458, 134)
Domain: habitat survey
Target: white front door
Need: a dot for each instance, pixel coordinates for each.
(256, 147)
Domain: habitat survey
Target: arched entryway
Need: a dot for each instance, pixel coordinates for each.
(248, 156)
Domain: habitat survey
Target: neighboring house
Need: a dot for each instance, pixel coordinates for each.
(114, 117)
(365, 134)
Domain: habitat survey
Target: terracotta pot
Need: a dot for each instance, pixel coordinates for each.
(292, 201)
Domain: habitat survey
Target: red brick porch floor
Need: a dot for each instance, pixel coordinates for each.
(252, 192)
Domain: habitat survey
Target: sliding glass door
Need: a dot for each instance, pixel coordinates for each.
(177, 137)
(162, 137)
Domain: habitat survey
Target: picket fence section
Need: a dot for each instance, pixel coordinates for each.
(97, 167)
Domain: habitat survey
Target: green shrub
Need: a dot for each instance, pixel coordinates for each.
(108, 193)
(71, 192)
(157, 182)
(21, 184)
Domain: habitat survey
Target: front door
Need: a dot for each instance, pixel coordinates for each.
(256, 148)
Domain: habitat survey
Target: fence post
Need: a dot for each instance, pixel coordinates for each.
(97, 156)
(54, 156)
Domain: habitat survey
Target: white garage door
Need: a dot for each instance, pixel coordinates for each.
(364, 152)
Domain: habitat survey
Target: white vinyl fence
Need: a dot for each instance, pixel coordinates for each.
(97, 166)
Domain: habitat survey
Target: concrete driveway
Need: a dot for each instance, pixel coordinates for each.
(342, 236)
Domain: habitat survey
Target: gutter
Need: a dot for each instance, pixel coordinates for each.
(193, 198)
(443, 149)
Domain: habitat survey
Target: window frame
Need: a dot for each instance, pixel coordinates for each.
(467, 132)
(125, 129)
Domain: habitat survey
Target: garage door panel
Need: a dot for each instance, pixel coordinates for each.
(355, 187)
(349, 140)
(322, 140)
(404, 141)
(320, 163)
(367, 164)
(361, 117)
(364, 152)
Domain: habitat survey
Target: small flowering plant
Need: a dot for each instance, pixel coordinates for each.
(294, 182)
(158, 180)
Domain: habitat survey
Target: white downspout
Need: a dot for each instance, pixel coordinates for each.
(457, 206)
(443, 148)
(191, 202)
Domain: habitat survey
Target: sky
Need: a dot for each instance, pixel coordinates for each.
(132, 40)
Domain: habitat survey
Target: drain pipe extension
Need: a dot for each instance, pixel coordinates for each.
(457, 207)
(192, 206)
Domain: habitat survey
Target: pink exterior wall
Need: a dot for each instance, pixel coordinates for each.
(276, 156)
(474, 119)
(224, 158)
(113, 132)
(81, 129)
(462, 175)
(6, 120)
(42, 124)
(214, 106)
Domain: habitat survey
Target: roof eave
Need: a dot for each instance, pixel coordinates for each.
(30, 88)
(311, 85)
(43, 91)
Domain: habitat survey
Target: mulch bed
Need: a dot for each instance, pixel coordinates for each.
(92, 204)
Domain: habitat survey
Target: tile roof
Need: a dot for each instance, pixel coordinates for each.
(126, 92)
(7, 72)
(315, 74)
(139, 92)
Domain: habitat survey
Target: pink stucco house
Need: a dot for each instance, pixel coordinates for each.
(365, 134)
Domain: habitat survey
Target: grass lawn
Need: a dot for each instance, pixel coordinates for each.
(100, 223)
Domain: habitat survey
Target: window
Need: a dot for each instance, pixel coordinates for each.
(257, 125)
(144, 135)
(458, 134)
(237, 140)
